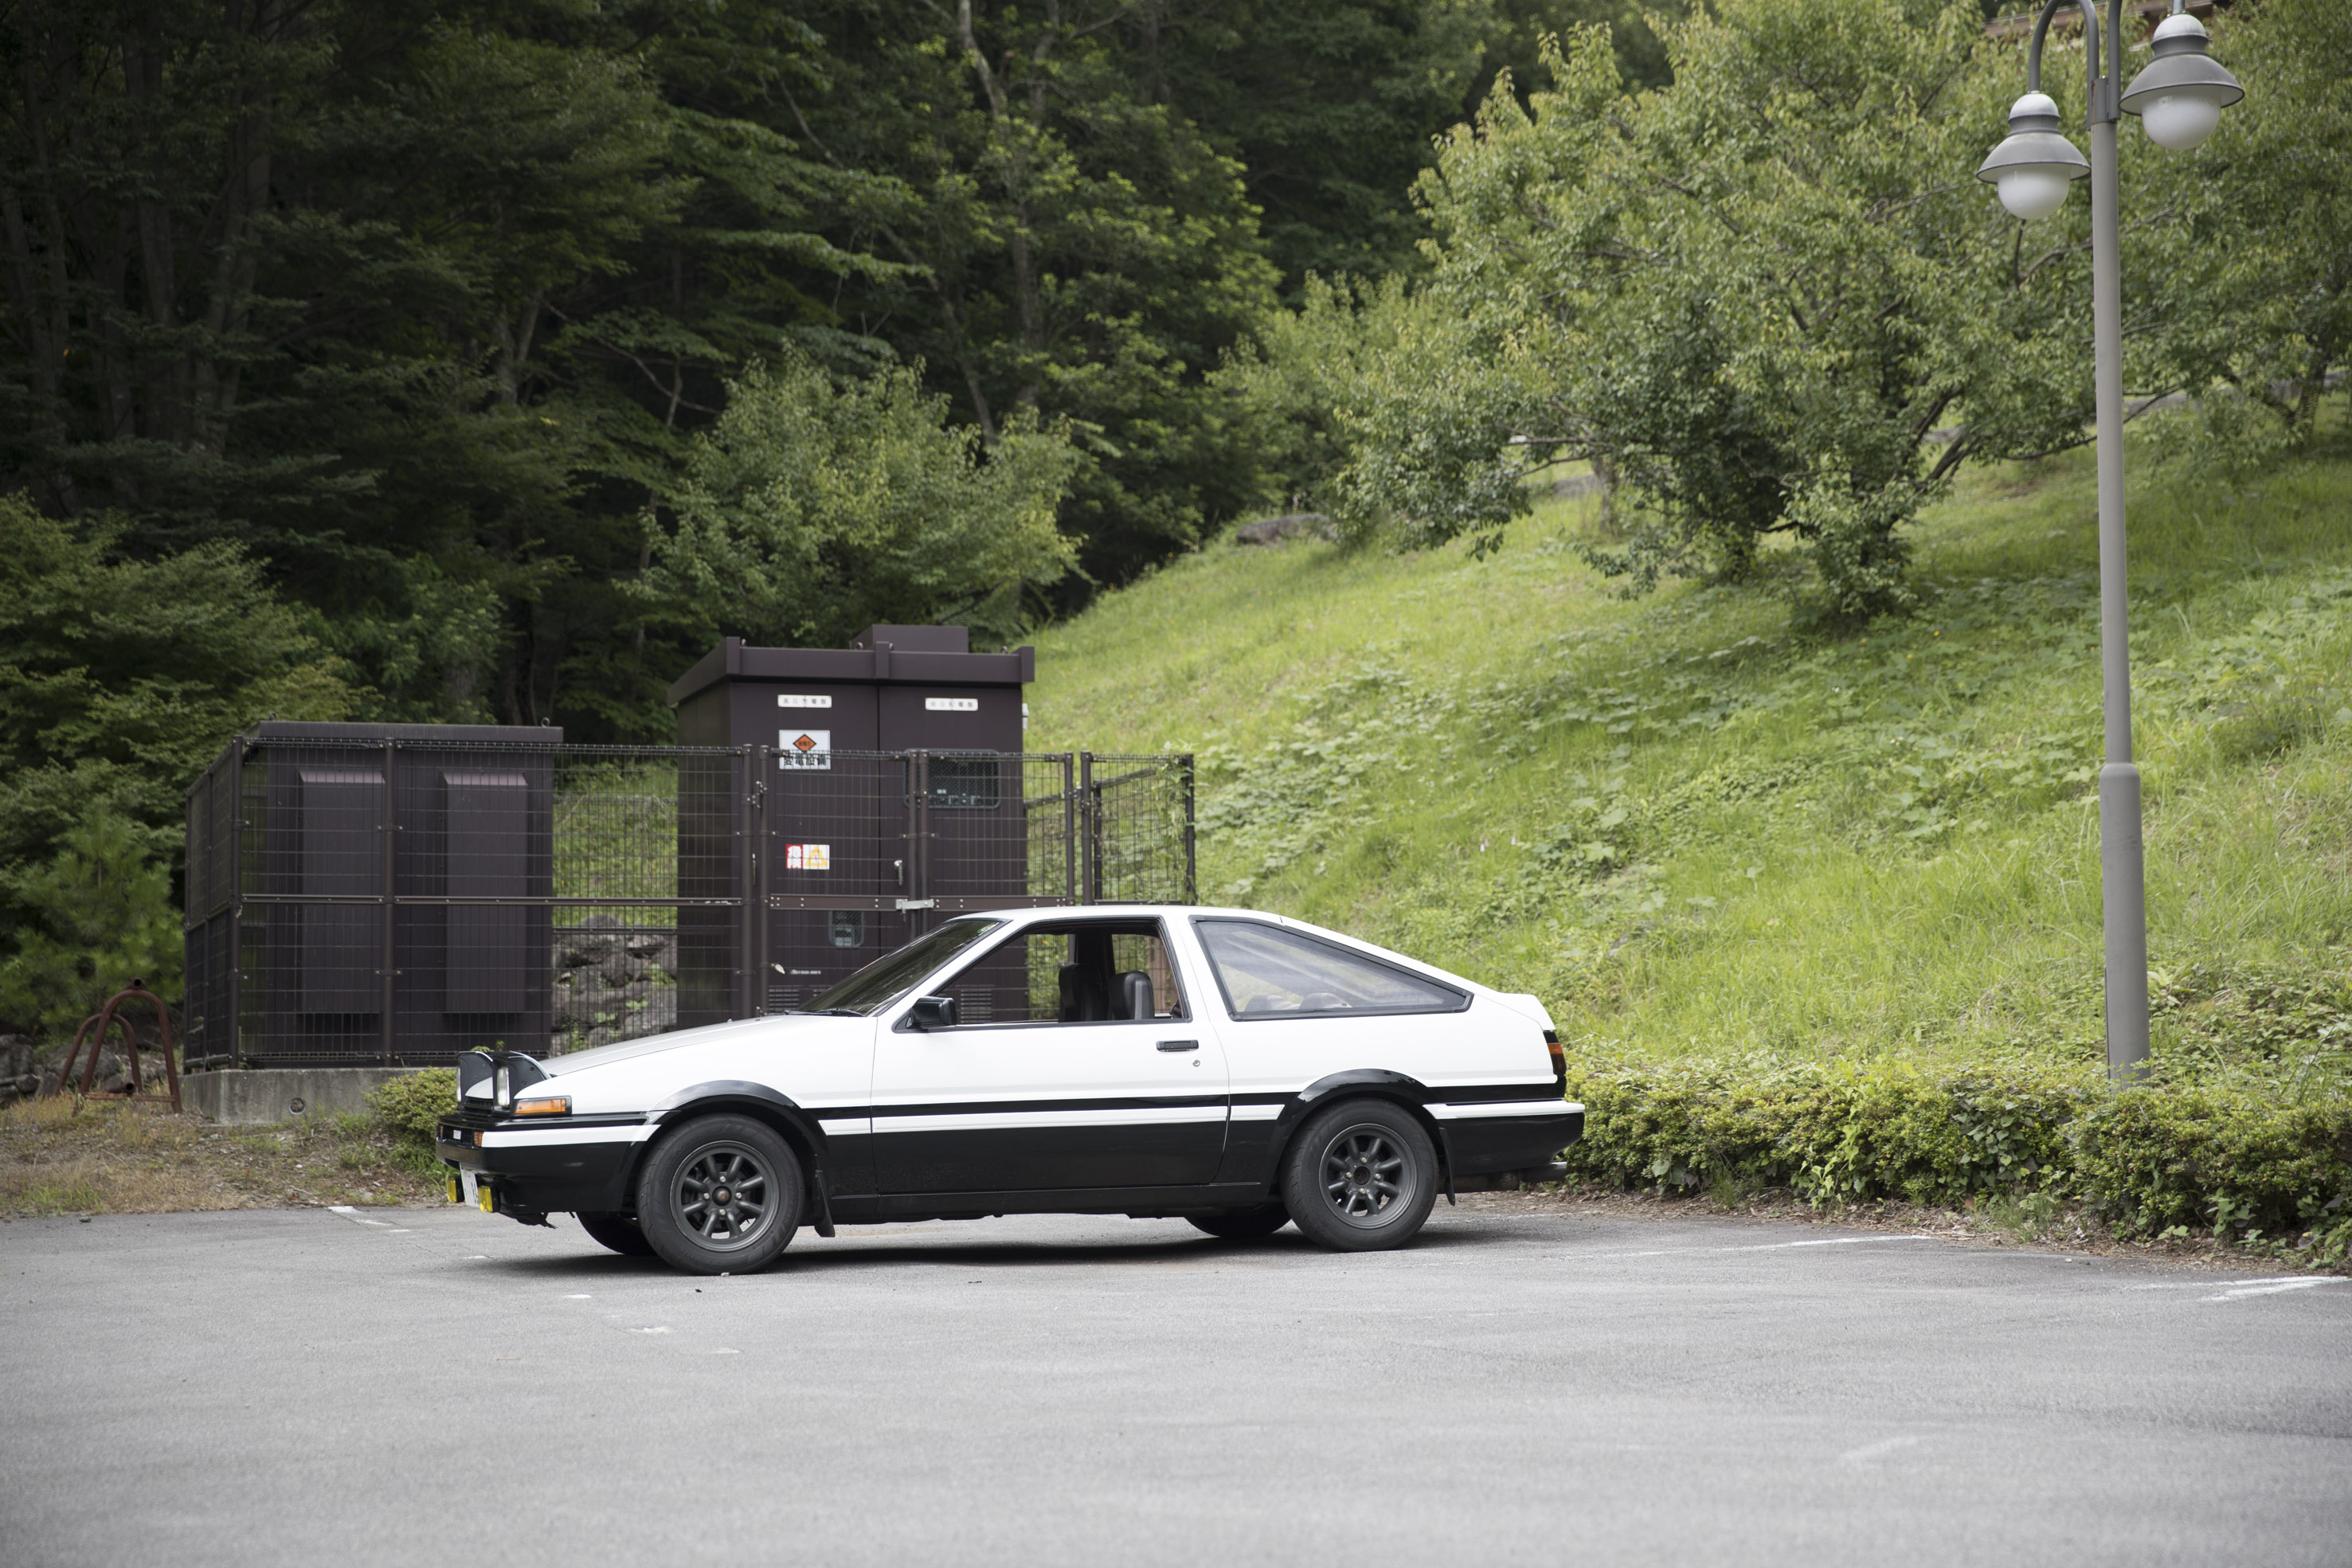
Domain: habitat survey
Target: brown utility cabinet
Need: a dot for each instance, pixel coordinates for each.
(370, 893)
(893, 788)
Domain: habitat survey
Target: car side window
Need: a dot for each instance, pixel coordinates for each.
(1071, 972)
(1266, 971)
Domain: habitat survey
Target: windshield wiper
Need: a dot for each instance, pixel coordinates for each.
(826, 1012)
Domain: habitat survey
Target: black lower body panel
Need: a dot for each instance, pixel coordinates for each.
(1143, 1202)
(1484, 1145)
(1168, 1154)
(554, 1178)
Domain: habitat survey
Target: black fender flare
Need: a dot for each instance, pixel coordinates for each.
(779, 1111)
(1379, 1084)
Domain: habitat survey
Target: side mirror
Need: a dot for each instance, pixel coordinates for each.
(933, 1012)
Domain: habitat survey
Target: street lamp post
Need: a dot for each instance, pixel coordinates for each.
(2180, 98)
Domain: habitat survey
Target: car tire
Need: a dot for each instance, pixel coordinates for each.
(720, 1195)
(617, 1232)
(1253, 1224)
(1360, 1176)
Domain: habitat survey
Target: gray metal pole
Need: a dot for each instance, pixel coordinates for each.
(2123, 878)
(389, 955)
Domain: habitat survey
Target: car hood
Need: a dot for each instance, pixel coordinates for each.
(771, 1031)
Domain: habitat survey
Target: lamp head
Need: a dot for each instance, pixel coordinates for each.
(2180, 95)
(2033, 165)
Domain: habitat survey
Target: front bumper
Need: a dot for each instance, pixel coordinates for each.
(545, 1164)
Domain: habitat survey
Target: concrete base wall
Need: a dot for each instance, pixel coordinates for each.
(256, 1096)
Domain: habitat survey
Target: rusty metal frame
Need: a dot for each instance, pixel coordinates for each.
(94, 1029)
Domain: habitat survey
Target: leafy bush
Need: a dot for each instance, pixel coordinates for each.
(1833, 1133)
(2154, 1160)
(409, 1106)
(119, 678)
(1751, 299)
(812, 510)
(97, 917)
(2145, 1160)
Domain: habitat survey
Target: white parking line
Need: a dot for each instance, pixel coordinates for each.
(1870, 1451)
(1764, 1247)
(2273, 1287)
(348, 1212)
(2237, 1288)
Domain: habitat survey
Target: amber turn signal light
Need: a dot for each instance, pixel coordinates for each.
(546, 1105)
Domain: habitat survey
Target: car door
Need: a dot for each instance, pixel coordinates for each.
(1076, 1062)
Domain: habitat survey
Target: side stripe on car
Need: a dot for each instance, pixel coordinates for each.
(1447, 1103)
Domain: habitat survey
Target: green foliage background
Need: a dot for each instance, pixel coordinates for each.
(1809, 907)
(1767, 299)
(489, 358)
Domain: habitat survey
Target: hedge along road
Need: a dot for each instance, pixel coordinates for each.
(439, 1385)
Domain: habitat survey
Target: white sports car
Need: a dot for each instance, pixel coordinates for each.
(1240, 1069)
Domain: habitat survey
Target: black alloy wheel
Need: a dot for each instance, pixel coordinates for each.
(720, 1195)
(618, 1232)
(1253, 1224)
(1360, 1176)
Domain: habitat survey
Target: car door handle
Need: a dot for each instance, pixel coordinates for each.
(1180, 1045)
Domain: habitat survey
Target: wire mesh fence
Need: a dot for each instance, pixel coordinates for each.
(1140, 838)
(399, 901)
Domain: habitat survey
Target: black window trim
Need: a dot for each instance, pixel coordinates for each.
(1209, 956)
(1030, 928)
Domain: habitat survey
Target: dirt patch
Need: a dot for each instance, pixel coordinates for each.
(2066, 1230)
(58, 1156)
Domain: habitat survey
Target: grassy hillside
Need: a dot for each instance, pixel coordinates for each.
(1696, 830)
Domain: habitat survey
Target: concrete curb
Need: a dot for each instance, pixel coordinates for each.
(260, 1096)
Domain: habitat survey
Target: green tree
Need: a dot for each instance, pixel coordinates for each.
(1297, 383)
(1328, 107)
(811, 510)
(1762, 299)
(2244, 296)
(92, 919)
(1073, 248)
(288, 276)
(121, 678)
(1516, 41)
(638, 363)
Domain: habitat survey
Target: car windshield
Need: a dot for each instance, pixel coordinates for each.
(889, 977)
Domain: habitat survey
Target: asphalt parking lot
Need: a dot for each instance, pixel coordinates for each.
(442, 1386)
